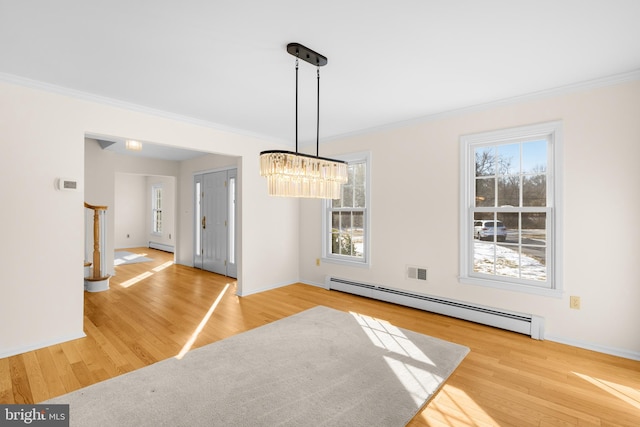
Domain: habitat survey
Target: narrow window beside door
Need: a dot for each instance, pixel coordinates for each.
(156, 209)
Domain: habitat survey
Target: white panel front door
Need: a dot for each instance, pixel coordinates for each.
(215, 213)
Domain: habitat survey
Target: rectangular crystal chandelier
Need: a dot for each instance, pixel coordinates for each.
(292, 174)
(298, 175)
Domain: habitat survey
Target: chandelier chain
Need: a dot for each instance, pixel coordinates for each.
(318, 118)
(296, 105)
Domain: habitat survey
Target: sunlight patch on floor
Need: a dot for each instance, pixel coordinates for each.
(146, 274)
(384, 335)
(203, 322)
(412, 372)
(163, 266)
(136, 279)
(453, 407)
(624, 393)
(409, 375)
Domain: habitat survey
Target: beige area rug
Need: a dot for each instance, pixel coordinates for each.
(320, 367)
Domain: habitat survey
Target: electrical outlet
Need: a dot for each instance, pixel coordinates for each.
(574, 302)
(318, 262)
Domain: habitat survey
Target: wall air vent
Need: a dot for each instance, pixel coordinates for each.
(417, 273)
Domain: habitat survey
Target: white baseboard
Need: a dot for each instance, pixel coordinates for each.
(319, 285)
(161, 246)
(627, 354)
(242, 292)
(613, 351)
(42, 344)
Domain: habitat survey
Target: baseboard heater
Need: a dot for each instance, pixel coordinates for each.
(161, 247)
(527, 324)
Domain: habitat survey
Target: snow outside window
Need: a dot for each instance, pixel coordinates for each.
(346, 220)
(510, 209)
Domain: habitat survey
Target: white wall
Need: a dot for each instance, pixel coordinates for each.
(415, 202)
(41, 296)
(102, 167)
(168, 211)
(130, 211)
(43, 137)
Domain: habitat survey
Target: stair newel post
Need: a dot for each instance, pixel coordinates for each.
(97, 281)
(97, 267)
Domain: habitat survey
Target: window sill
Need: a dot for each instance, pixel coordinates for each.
(514, 287)
(349, 263)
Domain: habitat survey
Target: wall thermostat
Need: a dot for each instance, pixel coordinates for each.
(67, 184)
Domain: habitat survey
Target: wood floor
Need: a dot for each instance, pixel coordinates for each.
(155, 310)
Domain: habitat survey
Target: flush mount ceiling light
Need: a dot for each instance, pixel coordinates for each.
(133, 145)
(292, 174)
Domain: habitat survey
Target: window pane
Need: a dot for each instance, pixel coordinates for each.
(347, 196)
(335, 241)
(360, 177)
(335, 220)
(508, 159)
(335, 232)
(484, 255)
(507, 262)
(533, 265)
(534, 228)
(510, 230)
(348, 214)
(357, 234)
(359, 197)
(485, 161)
(157, 193)
(534, 190)
(485, 192)
(533, 269)
(534, 157)
(198, 217)
(346, 244)
(345, 221)
(157, 223)
(342, 243)
(509, 191)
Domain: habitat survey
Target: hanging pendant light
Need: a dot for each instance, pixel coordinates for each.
(292, 174)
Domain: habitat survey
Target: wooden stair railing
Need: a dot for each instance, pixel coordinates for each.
(97, 267)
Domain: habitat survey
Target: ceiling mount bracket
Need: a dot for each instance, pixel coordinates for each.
(306, 54)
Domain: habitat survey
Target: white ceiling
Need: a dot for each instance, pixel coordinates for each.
(224, 61)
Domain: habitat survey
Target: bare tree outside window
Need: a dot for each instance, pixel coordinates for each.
(509, 233)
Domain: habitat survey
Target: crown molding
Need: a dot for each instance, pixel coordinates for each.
(547, 93)
(112, 102)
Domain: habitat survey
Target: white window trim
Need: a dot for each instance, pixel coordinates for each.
(342, 259)
(555, 168)
(153, 209)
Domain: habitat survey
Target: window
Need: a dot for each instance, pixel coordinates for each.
(346, 220)
(510, 216)
(156, 209)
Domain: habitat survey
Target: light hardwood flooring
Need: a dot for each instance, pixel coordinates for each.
(154, 311)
